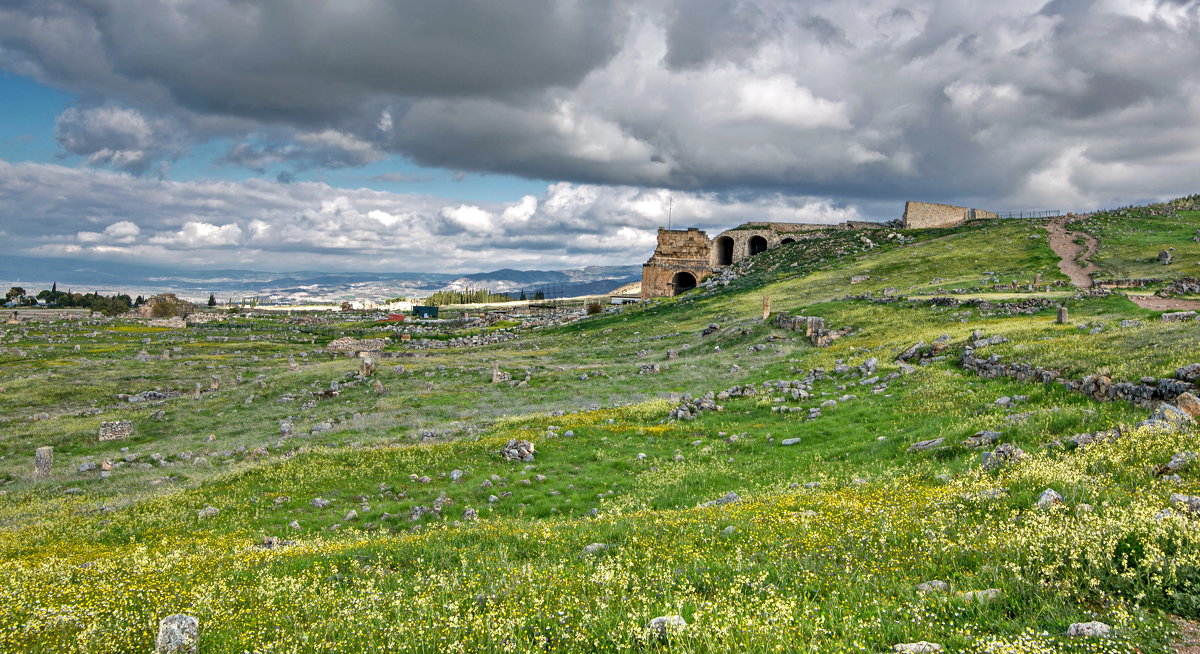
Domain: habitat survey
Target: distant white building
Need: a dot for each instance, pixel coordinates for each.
(402, 306)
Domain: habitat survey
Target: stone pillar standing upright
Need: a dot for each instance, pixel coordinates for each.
(43, 459)
(766, 308)
(1062, 316)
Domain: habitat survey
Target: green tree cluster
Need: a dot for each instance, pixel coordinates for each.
(17, 294)
(110, 305)
(469, 296)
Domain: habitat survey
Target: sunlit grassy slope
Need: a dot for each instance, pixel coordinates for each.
(823, 552)
(1130, 240)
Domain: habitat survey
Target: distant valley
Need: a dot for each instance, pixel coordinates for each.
(300, 286)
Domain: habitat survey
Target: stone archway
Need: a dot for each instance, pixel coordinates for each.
(756, 245)
(787, 240)
(683, 281)
(724, 250)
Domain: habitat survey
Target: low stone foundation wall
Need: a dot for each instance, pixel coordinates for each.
(1099, 387)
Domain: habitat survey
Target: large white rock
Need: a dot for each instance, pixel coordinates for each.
(1091, 629)
(177, 634)
(665, 625)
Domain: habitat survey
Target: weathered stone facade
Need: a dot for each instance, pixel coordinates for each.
(686, 257)
(925, 215)
(680, 262)
(747, 240)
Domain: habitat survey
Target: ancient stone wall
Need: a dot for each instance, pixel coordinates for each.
(682, 244)
(926, 215)
(116, 430)
(919, 215)
(730, 247)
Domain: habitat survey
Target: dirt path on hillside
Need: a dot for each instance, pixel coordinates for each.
(1155, 303)
(1070, 253)
(1189, 636)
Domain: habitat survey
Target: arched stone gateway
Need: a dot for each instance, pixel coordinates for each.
(682, 260)
(787, 240)
(724, 250)
(756, 245)
(683, 281)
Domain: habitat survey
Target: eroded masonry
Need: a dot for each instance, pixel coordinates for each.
(685, 257)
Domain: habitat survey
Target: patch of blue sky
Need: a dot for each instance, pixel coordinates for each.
(28, 110)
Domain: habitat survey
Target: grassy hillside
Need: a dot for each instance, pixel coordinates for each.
(210, 509)
(1130, 240)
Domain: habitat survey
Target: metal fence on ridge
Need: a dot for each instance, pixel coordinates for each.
(1044, 213)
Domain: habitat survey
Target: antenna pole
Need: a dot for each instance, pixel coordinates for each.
(670, 208)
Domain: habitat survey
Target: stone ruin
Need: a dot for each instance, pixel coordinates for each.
(116, 430)
(683, 258)
(163, 305)
(813, 327)
(928, 215)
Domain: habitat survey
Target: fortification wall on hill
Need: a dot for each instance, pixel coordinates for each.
(927, 215)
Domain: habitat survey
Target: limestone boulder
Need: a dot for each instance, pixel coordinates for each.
(1093, 629)
(177, 634)
(666, 625)
(1189, 404)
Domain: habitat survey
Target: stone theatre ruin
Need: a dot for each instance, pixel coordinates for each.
(685, 257)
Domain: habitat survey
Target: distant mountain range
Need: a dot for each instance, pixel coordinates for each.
(106, 277)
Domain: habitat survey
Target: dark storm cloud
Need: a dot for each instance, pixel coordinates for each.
(123, 139)
(278, 59)
(704, 31)
(329, 149)
(1021, 103)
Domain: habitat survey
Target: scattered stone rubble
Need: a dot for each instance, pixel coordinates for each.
(518, 450)
(689, 408)
(491, 338)
(1182, 286)
(354, 346)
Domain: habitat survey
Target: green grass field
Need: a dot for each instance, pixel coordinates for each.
(823, 551)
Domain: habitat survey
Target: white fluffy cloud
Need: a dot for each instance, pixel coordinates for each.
(308, 225)
(122, 231)
(199, 235)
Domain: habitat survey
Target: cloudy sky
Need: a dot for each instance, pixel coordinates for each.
(464, 135)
